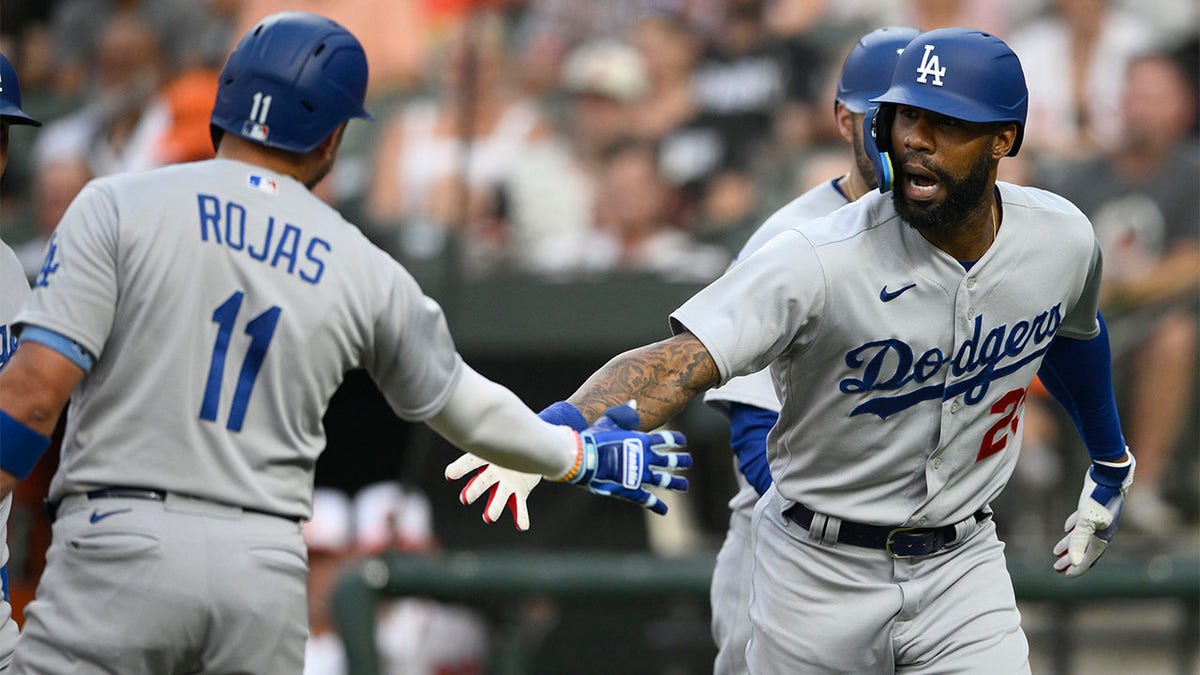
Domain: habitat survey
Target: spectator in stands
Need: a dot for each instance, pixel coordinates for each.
(125, 118)
(739, 83)
(440, 161)
(55, 184)
(1071, 59)
(1141, 198)
(555, 28)
(551, 191)
(183, 31)
(670, 49)
(635, 232)
(397, 35)
(987, 15)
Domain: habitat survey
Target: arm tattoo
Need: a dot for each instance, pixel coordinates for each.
(661, 377)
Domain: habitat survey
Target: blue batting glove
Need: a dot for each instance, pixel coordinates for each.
(618, 460)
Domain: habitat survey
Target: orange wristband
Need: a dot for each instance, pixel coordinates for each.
(570, 475)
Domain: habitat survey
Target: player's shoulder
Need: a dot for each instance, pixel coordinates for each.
(850, 222)
(1035, 198)
(820, 201)
(136, 188)
(1047, 221)
(6, 252)
(10, 264)
(234, 187)
(815, 203)
(157, 176)
(1044, 210)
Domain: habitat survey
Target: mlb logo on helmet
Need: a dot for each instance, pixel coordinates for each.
(633, 463)
(255, 130)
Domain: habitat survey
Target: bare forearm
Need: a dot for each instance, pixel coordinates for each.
(661, 377)
(36, 385)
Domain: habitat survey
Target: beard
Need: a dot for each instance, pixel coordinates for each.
(322, 171)
(865, 168)
(327, 164)
(962, 196)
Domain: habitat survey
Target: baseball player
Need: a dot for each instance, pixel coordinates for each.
(200, 317)
(750, 401)
(13, 292)
(901, 333)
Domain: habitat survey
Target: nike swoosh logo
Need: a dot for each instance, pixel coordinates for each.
(97, 516)
(887, 296)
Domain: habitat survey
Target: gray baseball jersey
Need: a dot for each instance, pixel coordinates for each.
(756, 389)
(224, 304)
(13, 292)
(730, 592)
(902, 377)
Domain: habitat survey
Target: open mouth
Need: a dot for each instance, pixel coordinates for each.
(920, 184)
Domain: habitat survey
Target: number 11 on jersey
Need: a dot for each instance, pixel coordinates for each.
(260, 329)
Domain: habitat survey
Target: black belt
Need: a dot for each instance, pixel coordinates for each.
(899, 542)
(159, 496)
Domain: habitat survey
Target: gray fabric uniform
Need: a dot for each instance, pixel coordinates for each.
(730, 592)
(899, 408)
(224, 304)
(13, 292)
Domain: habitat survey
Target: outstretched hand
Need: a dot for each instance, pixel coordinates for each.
(619, 461)
(504, 487)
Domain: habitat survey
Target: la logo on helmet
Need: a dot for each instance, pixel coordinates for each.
(930, 65)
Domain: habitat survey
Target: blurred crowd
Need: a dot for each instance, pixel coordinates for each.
(565, 138)
(414, 635)
(571, 139)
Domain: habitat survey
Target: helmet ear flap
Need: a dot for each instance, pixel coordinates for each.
(876, 133)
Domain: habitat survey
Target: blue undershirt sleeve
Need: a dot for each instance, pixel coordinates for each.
(1078, 374)
(748, 428)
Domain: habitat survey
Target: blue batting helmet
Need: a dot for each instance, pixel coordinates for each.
(957, 72)
(290, 82)
(10, 96)
(867, 71)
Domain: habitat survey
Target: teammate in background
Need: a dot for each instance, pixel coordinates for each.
(750, 401)
(902, 334)
(200, 318)
(13, 292)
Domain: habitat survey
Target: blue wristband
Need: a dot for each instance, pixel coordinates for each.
(564, 414)
(1111, 474)
(23, 447)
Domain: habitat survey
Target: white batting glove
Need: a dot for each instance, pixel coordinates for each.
(1094, 523)
(504, 487)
